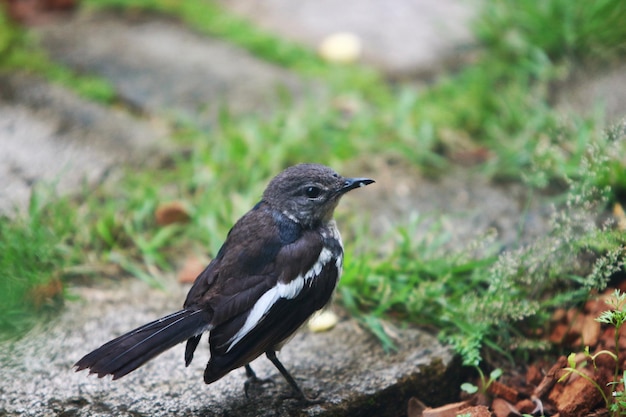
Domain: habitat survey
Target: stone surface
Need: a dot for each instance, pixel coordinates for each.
(345, 367)
(403, 37)
(579, 396)
(589, 91)
(49, 135)
(160, 67)
(462, 203)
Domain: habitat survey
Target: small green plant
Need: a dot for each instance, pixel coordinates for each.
(615, 317)
(484, 382)
(572, 368)
(619, 397)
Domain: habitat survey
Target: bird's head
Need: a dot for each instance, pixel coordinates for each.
(309, 193)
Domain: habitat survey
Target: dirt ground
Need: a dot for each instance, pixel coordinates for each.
(546, 385)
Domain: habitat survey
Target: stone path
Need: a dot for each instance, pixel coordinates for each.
(49, 135)
(600, 89)
(345, 367)
(402, 38)
(161, 68)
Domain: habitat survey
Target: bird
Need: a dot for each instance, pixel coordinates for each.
(279, 264)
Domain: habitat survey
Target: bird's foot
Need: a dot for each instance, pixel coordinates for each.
(295, 388)
(252, 379)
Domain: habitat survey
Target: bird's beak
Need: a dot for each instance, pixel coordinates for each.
(352, 183)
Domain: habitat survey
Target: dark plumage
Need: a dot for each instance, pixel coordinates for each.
(279, 264)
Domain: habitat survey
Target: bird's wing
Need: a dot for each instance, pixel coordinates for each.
(263, 252)
(245, 266)
(282, 278)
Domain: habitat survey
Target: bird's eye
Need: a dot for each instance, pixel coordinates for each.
(312, 192)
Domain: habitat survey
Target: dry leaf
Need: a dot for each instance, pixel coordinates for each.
(173, 212)
(192, 267)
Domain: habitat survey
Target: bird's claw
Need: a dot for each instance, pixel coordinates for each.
(252, 379)
(300, 396)
(305, 399)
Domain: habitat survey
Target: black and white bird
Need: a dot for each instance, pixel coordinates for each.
(279, 264)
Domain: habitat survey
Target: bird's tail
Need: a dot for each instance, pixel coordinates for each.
(128, 352)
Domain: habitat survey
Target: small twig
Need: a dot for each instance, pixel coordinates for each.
(550, 379)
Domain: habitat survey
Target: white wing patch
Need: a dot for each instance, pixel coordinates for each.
(292, 289)
(260, 309)
(325, 256)
(288, 291)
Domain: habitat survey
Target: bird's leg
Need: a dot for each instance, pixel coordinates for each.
(271, 355)
(250, 372)
(253, 379)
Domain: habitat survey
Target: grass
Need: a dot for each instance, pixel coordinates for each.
(502, 102)
(558, 29)
(481, 296)
(34, 249)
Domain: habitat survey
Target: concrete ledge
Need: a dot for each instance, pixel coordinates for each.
(346, 367)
